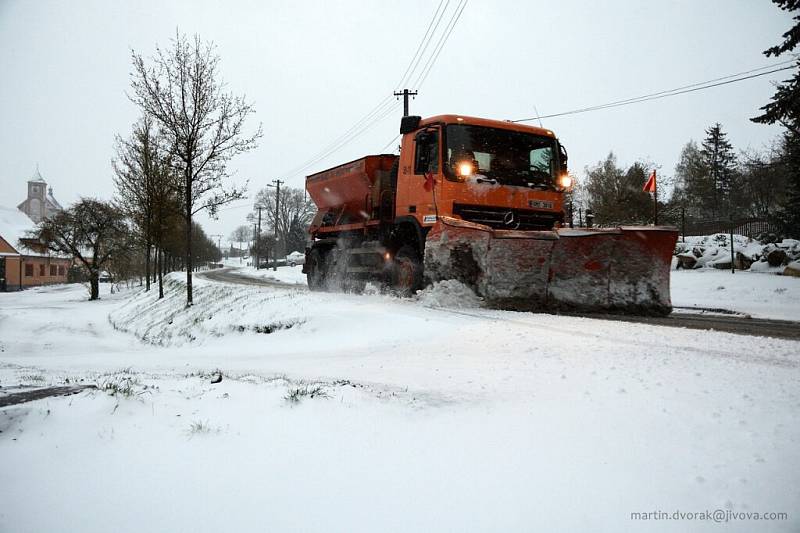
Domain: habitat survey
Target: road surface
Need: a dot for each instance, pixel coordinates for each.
(715, 320)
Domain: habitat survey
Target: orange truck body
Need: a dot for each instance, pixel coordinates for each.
(350, 196)
(481, 202)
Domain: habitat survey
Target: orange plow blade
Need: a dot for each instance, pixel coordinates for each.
(621, 270)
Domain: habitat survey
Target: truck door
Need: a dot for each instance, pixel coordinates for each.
(415, 197)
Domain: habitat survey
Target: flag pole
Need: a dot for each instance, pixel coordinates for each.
(655, 199)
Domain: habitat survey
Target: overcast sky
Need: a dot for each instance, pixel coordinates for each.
(314, 68)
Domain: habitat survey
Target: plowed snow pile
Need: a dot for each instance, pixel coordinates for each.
(449, 293)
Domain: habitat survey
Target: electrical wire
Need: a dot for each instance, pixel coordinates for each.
(425, 40)
(378, 119)
(343, 138)
(440, 45)
(380, 111)
(389, 143)
(708, 84)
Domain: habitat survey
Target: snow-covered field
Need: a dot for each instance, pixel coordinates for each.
(371, 413)
(761, 295)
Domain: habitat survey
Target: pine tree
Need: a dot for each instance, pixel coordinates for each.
(720, 161)
(784, 109)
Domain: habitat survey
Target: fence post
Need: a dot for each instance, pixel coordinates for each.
(683, 224)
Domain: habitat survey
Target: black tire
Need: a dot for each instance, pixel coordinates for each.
(406, 271)
(316, 271)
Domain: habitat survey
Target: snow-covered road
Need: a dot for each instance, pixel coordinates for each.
(454, 419)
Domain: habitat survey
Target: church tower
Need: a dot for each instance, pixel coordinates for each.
(40, 203)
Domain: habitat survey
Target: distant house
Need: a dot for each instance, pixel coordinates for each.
(40, 203)
(25, 262)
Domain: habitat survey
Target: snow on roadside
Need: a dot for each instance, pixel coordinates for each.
(449, 293)
(481, 420)
(308, 321)
(755, 294)
(283, 274)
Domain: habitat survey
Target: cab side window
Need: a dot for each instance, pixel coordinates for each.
(427, 156)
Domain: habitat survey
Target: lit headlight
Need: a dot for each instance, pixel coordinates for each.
(465, 169)
(565, 181)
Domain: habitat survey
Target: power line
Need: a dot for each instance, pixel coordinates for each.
(355, 134)
(389, 144)
(343, 138)
(379, 111)
(425, 40)
(733, 78)
(442, 41)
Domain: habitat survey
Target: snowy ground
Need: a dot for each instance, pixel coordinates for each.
(422, 417)
(760, 295)
(285, 274)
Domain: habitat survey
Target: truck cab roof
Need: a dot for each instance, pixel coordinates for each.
(486, 122)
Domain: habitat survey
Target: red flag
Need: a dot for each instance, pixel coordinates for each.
(650, 186)
(430, 182)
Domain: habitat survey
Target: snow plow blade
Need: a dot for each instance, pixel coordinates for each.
(619, 270)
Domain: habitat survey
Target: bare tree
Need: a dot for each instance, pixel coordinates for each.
(240, 235)
(204, 125)
(294, 216)
(91, 231)
(147, 190)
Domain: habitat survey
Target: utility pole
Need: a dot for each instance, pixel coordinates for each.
(405, 94)
(258, 237)
(255, 236)
(219, 243)
(277, 212)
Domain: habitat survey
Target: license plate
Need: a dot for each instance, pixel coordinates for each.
(541, 204)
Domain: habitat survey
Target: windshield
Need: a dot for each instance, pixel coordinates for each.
(505, 156)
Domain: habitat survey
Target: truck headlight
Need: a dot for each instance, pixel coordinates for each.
(565, 181)
(465, 169)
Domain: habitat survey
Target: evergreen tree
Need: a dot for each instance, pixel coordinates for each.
(615, 195)
(720, 161)
(298, 235)
(784, 109)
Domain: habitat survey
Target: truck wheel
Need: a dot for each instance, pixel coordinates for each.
(406, 271)
(316, 270)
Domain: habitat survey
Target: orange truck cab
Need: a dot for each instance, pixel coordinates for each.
(374, 213)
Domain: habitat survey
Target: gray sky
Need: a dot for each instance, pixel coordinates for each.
(313, 68)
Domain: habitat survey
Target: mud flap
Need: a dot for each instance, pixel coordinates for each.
(624, 269)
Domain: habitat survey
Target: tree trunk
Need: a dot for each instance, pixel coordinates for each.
(94, 284)
(147, 265)
(188, 201)
(159, 260)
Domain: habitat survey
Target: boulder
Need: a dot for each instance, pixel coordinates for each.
(722, 264)
(687, 261)
(792, 269)
(776, 257)
(742, 261)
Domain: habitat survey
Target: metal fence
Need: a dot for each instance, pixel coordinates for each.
(749, 227)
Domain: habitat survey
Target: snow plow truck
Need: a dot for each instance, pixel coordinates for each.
(482, 202)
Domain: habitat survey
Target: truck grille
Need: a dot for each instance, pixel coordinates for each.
(505, 218)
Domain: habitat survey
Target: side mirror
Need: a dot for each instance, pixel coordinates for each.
(562, 160)
(409, 124)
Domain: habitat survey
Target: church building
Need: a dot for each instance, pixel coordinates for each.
(40, 203)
